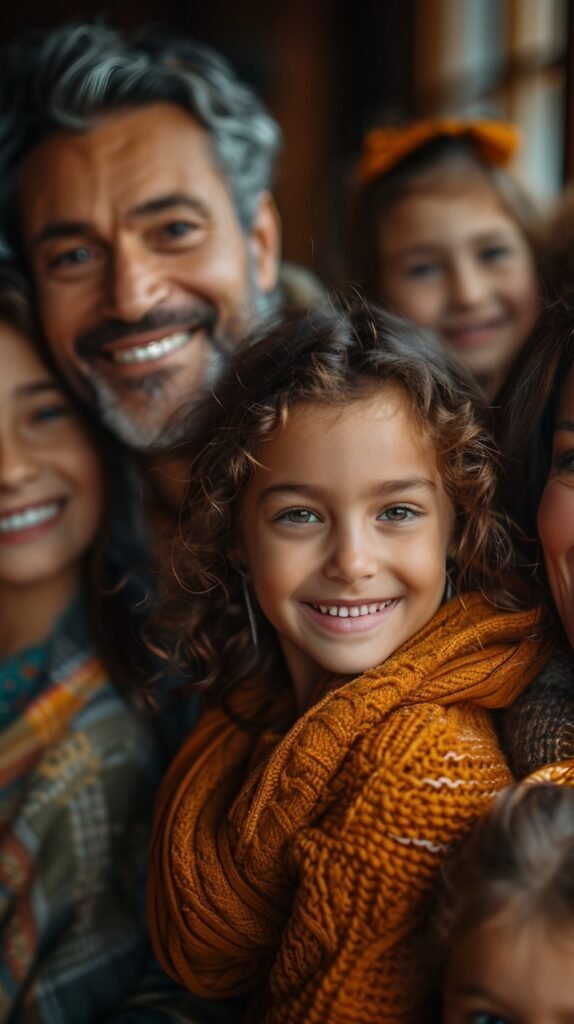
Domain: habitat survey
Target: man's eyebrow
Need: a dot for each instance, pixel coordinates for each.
(72, 228)
(161, 203)
(384, 489)
(565, 425)
(59, 229)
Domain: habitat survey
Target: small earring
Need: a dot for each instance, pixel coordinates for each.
(449, 590)
(245, 579)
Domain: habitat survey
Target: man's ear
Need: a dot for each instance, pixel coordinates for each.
(265, 243)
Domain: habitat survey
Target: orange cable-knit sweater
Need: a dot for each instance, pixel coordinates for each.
(297, 868)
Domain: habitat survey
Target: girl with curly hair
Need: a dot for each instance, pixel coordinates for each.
(340, 592)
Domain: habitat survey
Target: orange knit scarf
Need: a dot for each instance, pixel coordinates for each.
(297, 867)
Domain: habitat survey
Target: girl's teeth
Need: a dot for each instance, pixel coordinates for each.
(351, 611)
(29, 518)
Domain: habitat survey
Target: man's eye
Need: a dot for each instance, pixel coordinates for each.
(178, 229)
(72, 257)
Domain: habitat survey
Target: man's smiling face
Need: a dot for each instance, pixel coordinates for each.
(142, 271)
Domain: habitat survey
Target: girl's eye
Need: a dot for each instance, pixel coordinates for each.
(564, 462)
(397, 514)
(422, 270)
(487, 1018)
(494, 253)
(48, 413)
(297, 516)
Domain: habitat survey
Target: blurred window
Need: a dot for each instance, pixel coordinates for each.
(500, 58)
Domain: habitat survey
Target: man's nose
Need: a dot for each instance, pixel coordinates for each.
(17, 463)
(136, 283)
(352, 556)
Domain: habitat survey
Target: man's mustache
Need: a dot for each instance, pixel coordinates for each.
(89, 342)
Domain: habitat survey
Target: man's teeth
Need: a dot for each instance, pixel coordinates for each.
(343, 611)
(153, 349)
(29, 518)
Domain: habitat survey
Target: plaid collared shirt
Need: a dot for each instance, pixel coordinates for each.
(78, 771)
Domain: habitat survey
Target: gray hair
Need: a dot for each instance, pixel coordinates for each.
(60, 80)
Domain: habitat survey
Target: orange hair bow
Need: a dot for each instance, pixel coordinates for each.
(384, 148)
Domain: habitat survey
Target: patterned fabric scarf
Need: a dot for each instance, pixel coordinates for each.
(297, 868)
(40, 727)
(77, 773)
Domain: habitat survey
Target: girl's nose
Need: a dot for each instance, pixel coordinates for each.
(17, 463)
(468, 283)
(351, 558)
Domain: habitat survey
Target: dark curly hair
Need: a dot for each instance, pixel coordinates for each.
(331, 359)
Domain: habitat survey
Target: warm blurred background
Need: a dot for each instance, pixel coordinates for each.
(329, 69)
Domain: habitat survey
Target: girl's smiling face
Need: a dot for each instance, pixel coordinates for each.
(345, 528)
(556, 510)
(51, 487)
(457, 263)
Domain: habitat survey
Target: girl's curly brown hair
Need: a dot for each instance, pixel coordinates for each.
(330, 359)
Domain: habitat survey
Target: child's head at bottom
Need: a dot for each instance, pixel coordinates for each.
(507, 916)
(341, 465)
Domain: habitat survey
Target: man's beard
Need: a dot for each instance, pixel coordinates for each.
(140, 429)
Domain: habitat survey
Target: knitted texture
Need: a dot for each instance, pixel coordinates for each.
(297, 868)
(539, 727)
(561, 773)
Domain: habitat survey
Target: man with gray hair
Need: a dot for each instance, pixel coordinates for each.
(134, 188)
(135, 175)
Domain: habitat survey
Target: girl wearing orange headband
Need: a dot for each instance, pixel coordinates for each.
(444, 236)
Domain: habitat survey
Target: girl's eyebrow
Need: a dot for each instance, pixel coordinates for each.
(475, 991)
(565, 425)
(38, 387)
(486, 237)
(385, 488)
